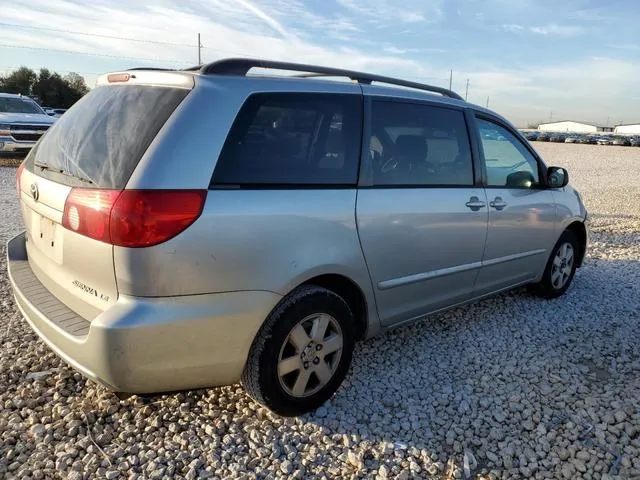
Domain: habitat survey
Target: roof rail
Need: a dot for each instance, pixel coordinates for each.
(241, 66)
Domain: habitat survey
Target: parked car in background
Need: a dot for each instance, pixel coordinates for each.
(493, 136)
(635, 141)
(151, 265)
(622, 141)
(22, 122)
(571, 139)
(603, 141)
(531, 136)
(557, 137)
(544, 137)
(54, 112)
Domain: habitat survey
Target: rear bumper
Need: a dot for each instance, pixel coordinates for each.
(8, 144)
(145, 345)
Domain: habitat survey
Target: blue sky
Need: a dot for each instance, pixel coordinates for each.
(569, 59)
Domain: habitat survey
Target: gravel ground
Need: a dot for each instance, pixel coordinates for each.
(511, 387)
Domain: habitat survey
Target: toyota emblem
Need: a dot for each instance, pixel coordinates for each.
(35, 193)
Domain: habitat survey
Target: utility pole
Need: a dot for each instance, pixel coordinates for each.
(199, 51)
(466, 92)
(487, 101)
(450, 79)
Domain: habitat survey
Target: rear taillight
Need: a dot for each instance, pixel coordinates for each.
(18, 175)
(88, 212)
(141, 218)
(131, 218)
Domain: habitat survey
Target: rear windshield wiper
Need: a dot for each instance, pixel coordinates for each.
(46, 166)
(41, 165)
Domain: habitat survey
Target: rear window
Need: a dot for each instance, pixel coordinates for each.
(103, 136)
(293, 139)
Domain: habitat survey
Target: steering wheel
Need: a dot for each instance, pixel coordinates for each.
(391, 165)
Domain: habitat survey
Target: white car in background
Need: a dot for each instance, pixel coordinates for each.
(22, 122)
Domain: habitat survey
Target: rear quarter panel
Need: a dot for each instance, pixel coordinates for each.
(270, 240)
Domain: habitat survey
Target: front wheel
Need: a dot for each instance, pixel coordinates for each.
(560, 269)
(302, 352)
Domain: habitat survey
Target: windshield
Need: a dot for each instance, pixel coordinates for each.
(18, 105)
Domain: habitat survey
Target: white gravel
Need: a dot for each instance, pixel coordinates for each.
(511, 387)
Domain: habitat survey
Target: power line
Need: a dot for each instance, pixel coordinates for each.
(55, 70)
(24, 47)
(122, 57)
(114, 37)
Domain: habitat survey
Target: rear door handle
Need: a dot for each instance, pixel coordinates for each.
(475, 204)
(498, 203)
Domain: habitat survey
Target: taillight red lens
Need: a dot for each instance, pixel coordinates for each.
(87, 211)
(18, 175)
(132, 218)
(141, 218)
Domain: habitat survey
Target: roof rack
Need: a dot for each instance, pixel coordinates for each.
(241, 66)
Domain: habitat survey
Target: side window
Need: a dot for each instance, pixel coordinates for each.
(414, 144)
(508, 162)
(293, 139)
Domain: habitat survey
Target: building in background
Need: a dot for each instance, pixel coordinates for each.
(628, 129)
(574, 127)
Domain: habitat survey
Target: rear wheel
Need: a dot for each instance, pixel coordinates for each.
(302, 352)
(561, 267)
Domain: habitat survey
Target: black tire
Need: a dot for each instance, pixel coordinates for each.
(546, 288)
(260, 376)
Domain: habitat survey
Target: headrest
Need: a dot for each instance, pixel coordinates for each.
(335, 141)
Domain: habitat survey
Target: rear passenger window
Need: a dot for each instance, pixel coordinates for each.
(293, 139)
(414, 144)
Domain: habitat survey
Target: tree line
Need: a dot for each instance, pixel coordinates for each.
(48, 88)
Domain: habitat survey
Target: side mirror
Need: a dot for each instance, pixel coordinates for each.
(521, 179)
(557, 177)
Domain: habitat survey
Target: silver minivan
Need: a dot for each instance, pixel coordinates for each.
(194, 228)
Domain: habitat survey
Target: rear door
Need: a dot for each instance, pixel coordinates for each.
(422, 220)
(522, 211)
(93, 148)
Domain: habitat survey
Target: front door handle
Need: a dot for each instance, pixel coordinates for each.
(498, 203)
(475, 204)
